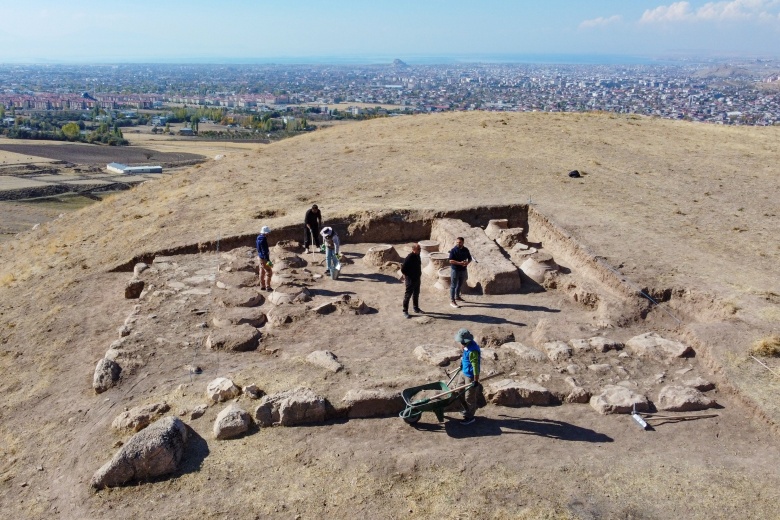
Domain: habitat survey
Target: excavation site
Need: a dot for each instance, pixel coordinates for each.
(157, 374)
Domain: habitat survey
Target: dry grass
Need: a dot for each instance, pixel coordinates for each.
(767, 347)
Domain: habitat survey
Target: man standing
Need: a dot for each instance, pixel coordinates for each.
(411, 272)
(264, 259)
(312, 223)
(460, 258)
(469, 365)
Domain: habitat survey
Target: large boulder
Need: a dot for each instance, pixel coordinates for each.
(231, 422)
(325, 359)
(152, 452)
(362, 403)
(492, 272)
(291, 408)
(437, 355)
(241, 297)
(654, 346)
(683, 399)
(239, 316)
(509, 392)
(139, 417)
(285, 314)
(495, 336)
(222, 389)
(234, 339)
(525, 353)
(700, 384)
(106, 375)
(618, 399)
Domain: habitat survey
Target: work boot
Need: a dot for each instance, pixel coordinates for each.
(466, 422)
(406, 315)
(419, 310)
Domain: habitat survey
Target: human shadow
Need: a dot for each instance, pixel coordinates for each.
(487, 426)
(513, 306)
(371, 277)
(326, 292)
(478, 318)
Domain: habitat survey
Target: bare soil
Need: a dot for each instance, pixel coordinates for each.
(94, 154)
(683, 211)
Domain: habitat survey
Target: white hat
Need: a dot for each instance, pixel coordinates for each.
(265, 230)
(326, 231)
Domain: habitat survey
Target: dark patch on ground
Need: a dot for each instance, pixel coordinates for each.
(94, 154)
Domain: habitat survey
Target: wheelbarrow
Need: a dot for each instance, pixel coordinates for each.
(436, 403)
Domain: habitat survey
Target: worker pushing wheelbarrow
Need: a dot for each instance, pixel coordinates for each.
(465, 391)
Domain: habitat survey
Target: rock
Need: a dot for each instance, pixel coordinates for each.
(324, 308)
(493, 273)
(557, 350)
(379, 255)
(600, 344)
(488, 354)
(231, 422)
(133, 288)
(683, 399)
(238, 279)
(525, 353)
(234, 339)
(654, 346)
(580, 345)
(239, 316)
(508, 392)
(285, 314)
(348, 305)
(508, 238)
(198, 411)
(699, 384)
(495, 335)
(252, 392)
(291, 408)
(289, 293)
(618, 399)
(222, 389)
(152, 452)
(577, 395)
(601, 368)
(572, 369)
(542, 332)
(139, 268)
(241, 297)
(437, 355)
(325, 359)
(139, 417)
(106, 375)
(363, 403)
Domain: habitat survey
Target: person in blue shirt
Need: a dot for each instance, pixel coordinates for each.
(264, 257)
(470, 366)
(460, 258)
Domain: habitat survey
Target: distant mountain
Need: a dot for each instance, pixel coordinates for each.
(398, 64)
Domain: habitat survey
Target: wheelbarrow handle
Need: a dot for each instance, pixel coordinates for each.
(456, 389)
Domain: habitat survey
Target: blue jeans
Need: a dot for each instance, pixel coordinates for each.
(457, 280)
(330, 260)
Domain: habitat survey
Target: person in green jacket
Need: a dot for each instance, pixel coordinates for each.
(470, 366)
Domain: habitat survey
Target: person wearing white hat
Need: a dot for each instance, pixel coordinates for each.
(332, 244)
(264, 257)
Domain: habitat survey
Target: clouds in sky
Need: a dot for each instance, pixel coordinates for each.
(601, 22)
(730, 11)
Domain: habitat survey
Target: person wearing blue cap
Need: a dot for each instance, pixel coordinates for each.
(470, 365)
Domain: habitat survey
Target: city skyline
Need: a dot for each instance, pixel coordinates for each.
(311, 31)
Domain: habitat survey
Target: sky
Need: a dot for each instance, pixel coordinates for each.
(374, 31)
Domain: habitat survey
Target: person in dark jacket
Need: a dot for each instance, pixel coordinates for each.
(312, 223)
(264, 258)
(411, 272)
(460, 258)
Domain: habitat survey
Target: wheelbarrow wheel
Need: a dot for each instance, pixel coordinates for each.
(412, 419)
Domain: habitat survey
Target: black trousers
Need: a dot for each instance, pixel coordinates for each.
(413, 292)
(307, 236)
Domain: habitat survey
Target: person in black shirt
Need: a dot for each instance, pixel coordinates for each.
(460, 258)
(411, 271)
(312, 223)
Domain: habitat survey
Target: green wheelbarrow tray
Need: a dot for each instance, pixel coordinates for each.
(414, 408)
